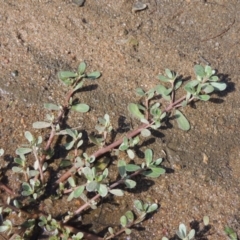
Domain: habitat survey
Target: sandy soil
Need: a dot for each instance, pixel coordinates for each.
(40, 37)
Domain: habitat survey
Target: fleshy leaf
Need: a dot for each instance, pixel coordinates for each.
(23, 151)
(51, 106)
(122, 168)
(29, 136)
(102, 190)
(94, 75)
(123, 221)
(199, 70)
(181, 120)
(39, 125)
(81, 68)
(130, 183)
(148, 156)
(117, 192)
(132, 167)
(81, 107)
(92, 186)
(78, 191)
(154, 172)
(130, 153)
(78, 86)
(168, 73)
(163, 78)
(134, 110)
(219, 86)
(145, 133)
(140, 92)
(208, 88)
(152, 208)
(204, 97)
(130, 216)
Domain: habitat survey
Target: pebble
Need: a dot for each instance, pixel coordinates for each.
(139, 6)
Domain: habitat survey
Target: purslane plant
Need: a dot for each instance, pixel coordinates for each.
(157, 105)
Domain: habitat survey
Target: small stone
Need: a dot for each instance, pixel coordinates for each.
(139, 6)
(79, 2)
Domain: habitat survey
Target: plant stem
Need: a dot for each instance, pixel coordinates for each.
(115, 144)
(88, 204)
(6, 189)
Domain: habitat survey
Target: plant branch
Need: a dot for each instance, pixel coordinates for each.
(6, 189)
(115, 144)
(88, 204)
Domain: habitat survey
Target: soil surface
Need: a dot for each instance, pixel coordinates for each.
(41, 37)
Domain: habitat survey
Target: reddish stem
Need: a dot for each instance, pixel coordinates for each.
(110, 147)
(6, 189)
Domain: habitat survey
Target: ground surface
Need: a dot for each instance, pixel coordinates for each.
(39, 38)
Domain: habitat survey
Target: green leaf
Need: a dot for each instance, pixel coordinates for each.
(139, 205)
(130, 216)
(51, 106)
(29, 136)
(65, 163)
(168, 73)
(4, 228)
(102, 190)
(123, 221)
(148, 156)
(208, 88)
(130, 153)
(128, 231)
(140, 92)
(134, 110)
(204, 97)
(231, 233)
(192, 84)
(122, 168)
(81, 68)
(72, 182)
(177, 84)
(78, 191)
(117, 192)
(71, 196)
(208, 71)
(72, 132)
(214, 78)
(199, 70)
(168, 91)
(163, 78)
(145, 133)
(20, 161)
(132, 167)
(78, 86)
(219, 86)
(39, 125)
(158, 161)
(92, 186)
(191, 234)
(205, 220)
(152, 208)
(88, 173)
(23, 151)
(110, 230)
(69, 145)
(123, 147)
(17, 169)
(64, 75)
(130, 183)
(102, 164)
(154, 172)
(81, 107)
(181, 121)
(94, 75)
